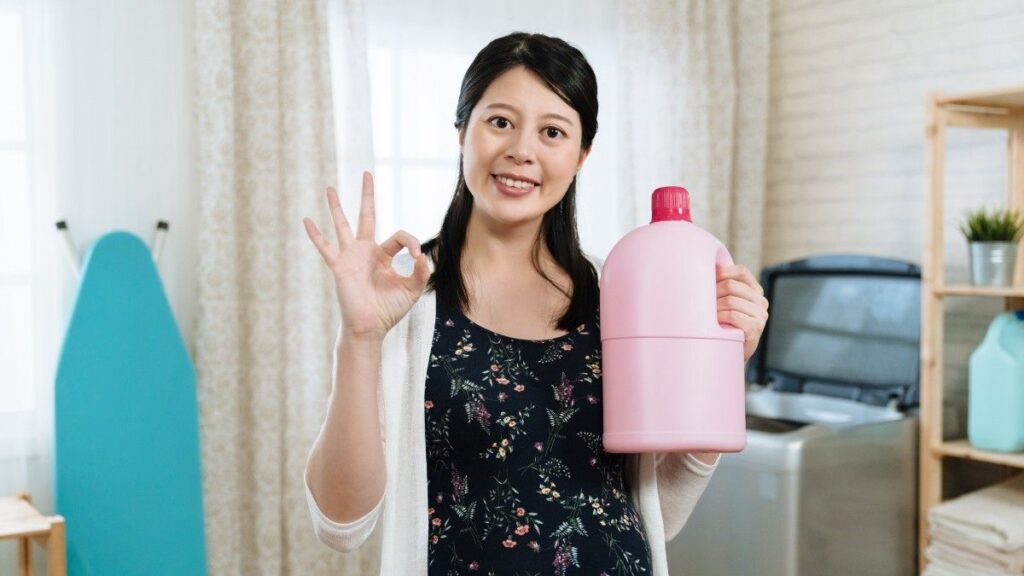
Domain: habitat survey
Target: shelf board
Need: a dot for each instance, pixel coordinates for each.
(969, 290)
(963, 449)
(1006, 97)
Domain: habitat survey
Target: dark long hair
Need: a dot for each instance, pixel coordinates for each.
(565, 70)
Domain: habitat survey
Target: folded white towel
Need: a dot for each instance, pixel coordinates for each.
(938, 568)
(952, 545)
(951, 558)
(993, 516)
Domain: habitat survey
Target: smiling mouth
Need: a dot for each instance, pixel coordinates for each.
(513, 190)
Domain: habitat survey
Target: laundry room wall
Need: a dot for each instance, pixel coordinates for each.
(846, 137)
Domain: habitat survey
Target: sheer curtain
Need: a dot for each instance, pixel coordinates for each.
(683, 95)
(695, 113)
(20, 404)
(31, 269)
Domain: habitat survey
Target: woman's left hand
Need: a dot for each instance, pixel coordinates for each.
(741, 303)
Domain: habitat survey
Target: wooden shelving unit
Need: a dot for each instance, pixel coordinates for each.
(1001, 109)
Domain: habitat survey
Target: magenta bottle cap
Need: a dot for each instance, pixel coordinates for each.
(670, 203)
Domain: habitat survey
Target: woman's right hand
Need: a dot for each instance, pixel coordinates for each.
(372, 296)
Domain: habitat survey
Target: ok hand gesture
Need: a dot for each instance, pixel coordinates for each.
(371, 295)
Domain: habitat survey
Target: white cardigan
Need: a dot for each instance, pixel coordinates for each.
(665, 486)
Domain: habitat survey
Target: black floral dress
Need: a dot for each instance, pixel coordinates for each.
(518, 481)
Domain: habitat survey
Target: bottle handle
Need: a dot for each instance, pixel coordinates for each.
(992, 336)
(722, 257)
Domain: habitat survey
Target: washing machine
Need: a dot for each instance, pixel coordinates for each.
(827, 484)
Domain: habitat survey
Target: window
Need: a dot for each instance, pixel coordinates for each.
(416, 149)
(16, 305)
(31, 304)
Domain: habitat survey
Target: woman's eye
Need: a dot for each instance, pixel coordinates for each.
(502, 122)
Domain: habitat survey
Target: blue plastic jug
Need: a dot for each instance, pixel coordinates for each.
(995, 387)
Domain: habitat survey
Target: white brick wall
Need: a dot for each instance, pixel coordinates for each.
(846, 136)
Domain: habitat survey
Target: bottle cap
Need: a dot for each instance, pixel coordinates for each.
(670, 203)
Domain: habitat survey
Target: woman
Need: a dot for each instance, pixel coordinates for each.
(467, 398)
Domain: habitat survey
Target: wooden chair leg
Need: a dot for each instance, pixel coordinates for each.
(56, 554)
(24, 544)
(25, 556)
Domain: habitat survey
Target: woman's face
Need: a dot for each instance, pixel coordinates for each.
(520, 128)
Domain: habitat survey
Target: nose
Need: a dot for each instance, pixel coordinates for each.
(520, 150)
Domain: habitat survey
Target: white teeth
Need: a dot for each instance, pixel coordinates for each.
(515, 183)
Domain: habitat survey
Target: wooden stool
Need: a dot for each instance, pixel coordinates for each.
(19, 519)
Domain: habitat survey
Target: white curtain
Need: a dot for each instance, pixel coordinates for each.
(694, 113)
(267, 313)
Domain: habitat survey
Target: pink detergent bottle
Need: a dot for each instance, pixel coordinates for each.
(673, 376)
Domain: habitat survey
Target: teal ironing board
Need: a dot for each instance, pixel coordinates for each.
(126, 455)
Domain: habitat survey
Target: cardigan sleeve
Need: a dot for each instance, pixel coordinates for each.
(682, 479)
(342, 536)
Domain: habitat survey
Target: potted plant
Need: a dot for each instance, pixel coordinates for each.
(993, 240)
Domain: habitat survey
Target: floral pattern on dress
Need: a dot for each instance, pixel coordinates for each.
(519, 482)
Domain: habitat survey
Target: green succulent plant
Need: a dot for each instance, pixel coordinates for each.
(995, 226)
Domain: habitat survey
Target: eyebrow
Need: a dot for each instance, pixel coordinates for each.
(548, 115)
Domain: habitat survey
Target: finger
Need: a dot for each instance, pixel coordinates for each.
(738, 272)
(367, 210)
(735, 287)
(341, 227)
(741, 274)
(401, 239)
(741, 305)
(323, 245)
(738, 320)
